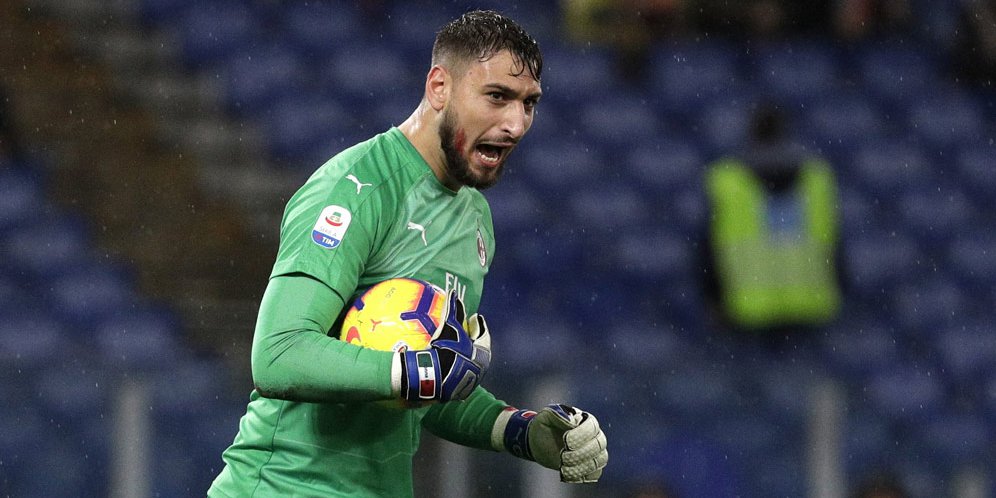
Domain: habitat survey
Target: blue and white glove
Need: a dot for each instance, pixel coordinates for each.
(455, 362)
(559, 437)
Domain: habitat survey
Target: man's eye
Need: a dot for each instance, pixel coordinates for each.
(496, 96)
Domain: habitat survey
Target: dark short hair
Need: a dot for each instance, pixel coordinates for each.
(480, 34)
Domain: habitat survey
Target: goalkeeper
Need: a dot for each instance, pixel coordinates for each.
(405, 203)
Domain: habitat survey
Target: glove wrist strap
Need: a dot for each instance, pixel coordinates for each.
(515, 438)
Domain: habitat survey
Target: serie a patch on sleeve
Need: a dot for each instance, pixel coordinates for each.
(331, 226)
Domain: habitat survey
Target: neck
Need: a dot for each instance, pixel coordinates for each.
(422, 131)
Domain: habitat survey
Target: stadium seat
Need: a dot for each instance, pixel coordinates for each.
(216, 29)
(48, 248)
(877, 262)
(555, 167)
(684, 74)
(697, 393)
(838, 123)
(692, 466)
(359, 74)
(888, 168)
(867, 442)
(85, 296)
(138, 339)
(971, 260)
(606, 208)
(529, 339)
(936, 213)
(665, 165)
(620, 121)
(20, 199)
(967, 350)
(896, 73)
(71, 394)
(906, 394)
(572, 75)
(305, 128)
(640, 347)
(256, 76)
(975, 166)
(956, 439)
(923, 307)
(31, 341)
(795, 72)
(724, 125)
(316, 29)
(947, 119)
(648, 258)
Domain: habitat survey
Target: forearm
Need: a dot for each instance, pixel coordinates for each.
(468, 423)
(294, 359)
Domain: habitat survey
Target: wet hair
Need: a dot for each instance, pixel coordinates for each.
(480, 34)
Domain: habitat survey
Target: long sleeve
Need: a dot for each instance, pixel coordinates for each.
(468, 422)
(293, 358)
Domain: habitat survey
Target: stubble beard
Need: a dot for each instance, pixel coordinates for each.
(457, 166)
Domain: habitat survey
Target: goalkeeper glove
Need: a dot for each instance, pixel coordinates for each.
(559, 437)
(455, 362)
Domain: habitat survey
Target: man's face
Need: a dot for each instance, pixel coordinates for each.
(489, 112)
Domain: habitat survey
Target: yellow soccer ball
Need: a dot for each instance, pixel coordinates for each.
(399, 314)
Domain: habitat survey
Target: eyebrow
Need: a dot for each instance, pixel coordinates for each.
(509, 91)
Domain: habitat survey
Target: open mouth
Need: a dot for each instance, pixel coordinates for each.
(491, 155)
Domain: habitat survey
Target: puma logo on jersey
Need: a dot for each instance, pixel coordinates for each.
(420, 229)
(359, 185)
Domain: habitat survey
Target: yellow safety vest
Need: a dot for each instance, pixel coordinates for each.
(768, 277)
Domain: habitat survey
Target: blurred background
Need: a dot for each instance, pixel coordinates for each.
(147, 148)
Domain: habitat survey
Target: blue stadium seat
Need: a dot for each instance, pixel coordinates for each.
(796, 72)
(936, 213)
(947, 119)
(967, 350)
(924, 307)
(138, 339)
(85, 296)
(975, 166)
(641, 347)
(555, 167)
(306, 128)
(691, 465)
(217, 29)
(724, 125)
(608, 207)
(572, 75)
(665, 165)
(20, 199)
(49, 248)
(362, 73)
(868, 441)
(316, 29)
(529, 338)
(840, 122)
(906, 393)
(649, 258)
(971, 260)
(695, 394)
(891, 167)
(255, 77)
(72, 394)
(31, 341)
(620, 121)
(686, 74)
(514, 207)
(877, 262)
(896, 73)
(955, 439)
(546, 252)
(163, 12)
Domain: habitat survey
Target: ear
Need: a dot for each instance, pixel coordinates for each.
(438, 84)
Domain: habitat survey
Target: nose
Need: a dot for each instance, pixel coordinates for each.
(516, 120)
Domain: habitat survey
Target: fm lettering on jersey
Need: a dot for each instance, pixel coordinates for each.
(331, 226)
(453, 283)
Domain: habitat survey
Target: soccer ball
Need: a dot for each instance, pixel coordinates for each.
(399, 314)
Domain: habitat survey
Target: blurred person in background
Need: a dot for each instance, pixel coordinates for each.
(858, 20)
(771, 249)
(405, 203)
(629, 27)
(880, 486)
(974, 50)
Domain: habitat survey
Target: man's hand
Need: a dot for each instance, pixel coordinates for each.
(455, 362)
(559, 437)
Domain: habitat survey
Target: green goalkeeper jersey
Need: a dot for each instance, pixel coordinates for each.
(373, 212)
